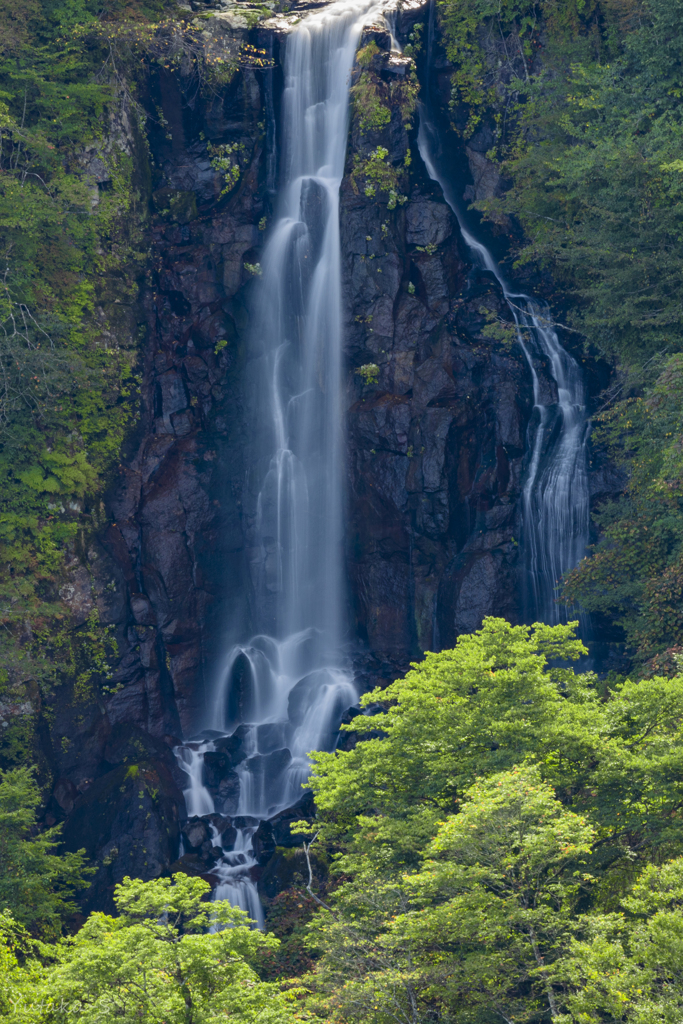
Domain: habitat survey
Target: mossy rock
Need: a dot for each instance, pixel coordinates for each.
(177, 206)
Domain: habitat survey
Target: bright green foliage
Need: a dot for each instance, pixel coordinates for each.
(490, 701)
(631, 969)
(380, 177)
(373, 101)
(19, 972)
(482, 921)
(489, 841)
(472, 27)
(155, 962)
(368, 93)
(369, 373)
(635, 575)
(488, 705)
(36, 884)
(588, 124)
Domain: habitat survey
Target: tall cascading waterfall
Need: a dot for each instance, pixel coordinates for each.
(555, 500)
(283, 692)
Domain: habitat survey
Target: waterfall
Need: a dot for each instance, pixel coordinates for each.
(555, 500)
(283, 691)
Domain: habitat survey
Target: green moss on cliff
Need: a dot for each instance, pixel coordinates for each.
(71, 214)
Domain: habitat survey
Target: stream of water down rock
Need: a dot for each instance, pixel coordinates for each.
(283, 691)
(555, 495)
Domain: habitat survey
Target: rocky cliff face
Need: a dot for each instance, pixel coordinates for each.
(437, 442)
(436, 427)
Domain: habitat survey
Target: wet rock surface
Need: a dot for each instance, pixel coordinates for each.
(437, 439)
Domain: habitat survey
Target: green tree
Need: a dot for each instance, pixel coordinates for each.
(170, 956)
(634, 575)
(597, 179)
(37, 884)
(504, 812)
(19, 970)
(481, 923)
(497, 699)
(630, 969)
(479, 708)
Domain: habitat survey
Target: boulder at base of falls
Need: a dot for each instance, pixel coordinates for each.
(287, 869)
(198, 832)
(222, 781)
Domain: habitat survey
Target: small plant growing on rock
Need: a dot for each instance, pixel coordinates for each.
(253, 268)
(380, 176)
(369, 373)
(226, 159)
(415, 41)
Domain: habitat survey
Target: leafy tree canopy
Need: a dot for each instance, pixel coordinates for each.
(513, 833)
(156, 961)
(500, 698)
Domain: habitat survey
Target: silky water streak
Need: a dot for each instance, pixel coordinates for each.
(555, 498)
(283, 691)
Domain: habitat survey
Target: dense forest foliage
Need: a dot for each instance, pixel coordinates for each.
(67, 369)
(505, 836)
(509, 845)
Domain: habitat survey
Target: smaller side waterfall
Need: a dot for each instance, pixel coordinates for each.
(555, 501)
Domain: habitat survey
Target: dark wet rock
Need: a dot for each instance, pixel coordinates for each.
(221, 780)
(65, 794)
(428, 222)
(436, 446)
(245, 821)
(233, 745)
(225, 828)
(128, 744)
(266, 769)
(281, 823)
(264, 842)
(195, 832)
(287, 869)
(170, 553)
(127, 823)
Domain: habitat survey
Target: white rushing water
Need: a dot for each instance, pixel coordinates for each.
(286, 688)
(555, 497)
